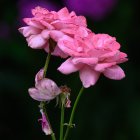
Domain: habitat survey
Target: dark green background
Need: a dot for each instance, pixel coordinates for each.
(110, 110)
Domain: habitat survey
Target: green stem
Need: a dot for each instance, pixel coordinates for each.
(62, 122)
(44, 75)
(73, 111)
(47, 63)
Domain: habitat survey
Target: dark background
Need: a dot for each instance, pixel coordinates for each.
(110, 110)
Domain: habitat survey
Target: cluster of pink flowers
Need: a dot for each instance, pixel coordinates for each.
(89, 53)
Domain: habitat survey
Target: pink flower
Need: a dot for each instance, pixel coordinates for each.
(91, 56)
(44, 90)
(45, 25)
(45, 125)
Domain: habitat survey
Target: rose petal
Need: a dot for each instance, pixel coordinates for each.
(80, 20)
(32, 22)
(47, 25)
(114, 72)
(56, 52)
(63, 13)
(40, 10)
(102, 66)
(45, 34)
(76, 31)
(56, 35)
(58, 24)
(29, 30)
(68, 67)
(88, 76)
(89, 61)
(36, 41)
(66, 44)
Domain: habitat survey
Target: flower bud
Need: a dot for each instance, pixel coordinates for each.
(45, 125)
(65, 96)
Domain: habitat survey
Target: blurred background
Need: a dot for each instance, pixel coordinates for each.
(110, 110)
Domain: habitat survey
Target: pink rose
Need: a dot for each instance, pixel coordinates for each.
(45, 25)
(91, 56)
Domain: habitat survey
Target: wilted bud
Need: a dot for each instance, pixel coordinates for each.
(44, 90)
(65, 95)
(67, 105)
(45, 125)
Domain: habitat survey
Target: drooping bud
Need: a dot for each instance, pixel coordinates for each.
(65, 96)
(45, 125)
(67, 105)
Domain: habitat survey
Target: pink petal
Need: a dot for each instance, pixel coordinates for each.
(114, 72)
(35, 94)
(88, 61)
(72, 14)
(39, 9)
(66, 44)
(79, 31)
(58, 24)
(56, 35)
(44, 90)
(68, 67)
(45, 34)
(109, 54)
(102, 66)
(68, 31)
(48, 87)
(33, 23)
(118, 57)
(63, 13)
(104, 41)
(88, 76)
(29, 30)
(39, 76)
(47, 25)
(56, 52)
(80, 21)
(36, 41)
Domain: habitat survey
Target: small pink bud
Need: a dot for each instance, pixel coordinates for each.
(44, 90)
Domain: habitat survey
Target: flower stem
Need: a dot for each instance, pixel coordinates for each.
(73, 111)
(62, 122)
(47, 63)
(44, 75)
